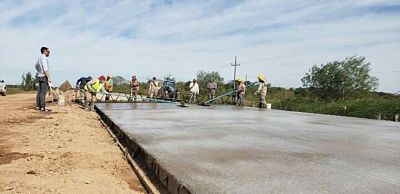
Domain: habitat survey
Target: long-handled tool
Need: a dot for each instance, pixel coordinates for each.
(180, 104)
(216, 98)
(206, 103)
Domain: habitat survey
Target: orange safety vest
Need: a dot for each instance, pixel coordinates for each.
(109, 87)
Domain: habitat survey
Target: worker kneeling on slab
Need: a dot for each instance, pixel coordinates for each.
(91, 88)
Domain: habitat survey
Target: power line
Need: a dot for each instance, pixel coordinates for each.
(234, 73)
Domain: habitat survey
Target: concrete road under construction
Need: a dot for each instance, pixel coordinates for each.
(225, 149)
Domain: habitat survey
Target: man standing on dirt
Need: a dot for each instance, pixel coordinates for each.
(44, 79)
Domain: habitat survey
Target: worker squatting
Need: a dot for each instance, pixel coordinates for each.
(88, 88)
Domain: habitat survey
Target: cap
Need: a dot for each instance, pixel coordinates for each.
(102, 78)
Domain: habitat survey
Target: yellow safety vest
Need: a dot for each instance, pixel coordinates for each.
(96, 86)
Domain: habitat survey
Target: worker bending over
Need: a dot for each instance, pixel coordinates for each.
(261, 91)
(91, 88)
(79, 88)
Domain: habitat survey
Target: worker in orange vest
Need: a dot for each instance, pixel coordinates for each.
(109, 86)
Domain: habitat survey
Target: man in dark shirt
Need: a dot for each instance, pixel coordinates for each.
(80, 84)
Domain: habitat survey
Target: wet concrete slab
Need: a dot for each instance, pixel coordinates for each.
(225, 149)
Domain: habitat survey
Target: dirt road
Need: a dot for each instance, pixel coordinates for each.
(60, 152)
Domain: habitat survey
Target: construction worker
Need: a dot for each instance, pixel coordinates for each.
(109, 86)
(194, 91)
(240, 93)
(212, 87)
(134, 87)
(91, 88)
(262, 91)
(80, 84)
(154, 87)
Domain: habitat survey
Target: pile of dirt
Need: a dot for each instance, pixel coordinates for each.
(65, 86)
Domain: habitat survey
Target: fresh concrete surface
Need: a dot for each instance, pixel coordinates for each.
(224, 149)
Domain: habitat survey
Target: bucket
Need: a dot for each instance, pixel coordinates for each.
(61, 100)
(269, 106)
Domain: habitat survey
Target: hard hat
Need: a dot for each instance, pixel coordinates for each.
(102, 78)
(261, 77)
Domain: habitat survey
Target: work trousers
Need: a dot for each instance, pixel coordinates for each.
(41, 92)
(193, 97)
(90, 100)
(240, 99)
(211, 94)
(108, 96)
(80, 94)
(153, 93)
(134, 93)
(262, 103)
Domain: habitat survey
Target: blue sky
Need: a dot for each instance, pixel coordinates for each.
(281, 39)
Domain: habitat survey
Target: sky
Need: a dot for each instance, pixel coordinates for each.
(280, 39)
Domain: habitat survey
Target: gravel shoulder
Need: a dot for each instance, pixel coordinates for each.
(58, 152)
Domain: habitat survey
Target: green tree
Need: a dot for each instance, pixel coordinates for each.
(119, 80)
(340, 79)
(28, 82)
(203, 77)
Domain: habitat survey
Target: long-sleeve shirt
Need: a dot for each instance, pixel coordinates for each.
(95, 86)
(241, 88)
(154, 86)
(42, 65)
(262, 88)
(212, 85)
(82, 82)
(194, 88)
(135, 84)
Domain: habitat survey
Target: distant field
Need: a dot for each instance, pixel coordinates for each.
(11, 91)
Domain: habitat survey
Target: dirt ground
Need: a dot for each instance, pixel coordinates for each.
(58, 152)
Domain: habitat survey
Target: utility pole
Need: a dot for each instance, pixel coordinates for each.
(234, 73)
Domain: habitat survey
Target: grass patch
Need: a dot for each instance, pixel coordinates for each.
(11, 91)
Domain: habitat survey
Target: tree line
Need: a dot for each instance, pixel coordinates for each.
(342, 87)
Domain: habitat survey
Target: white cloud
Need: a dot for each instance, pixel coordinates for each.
(282, 39)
